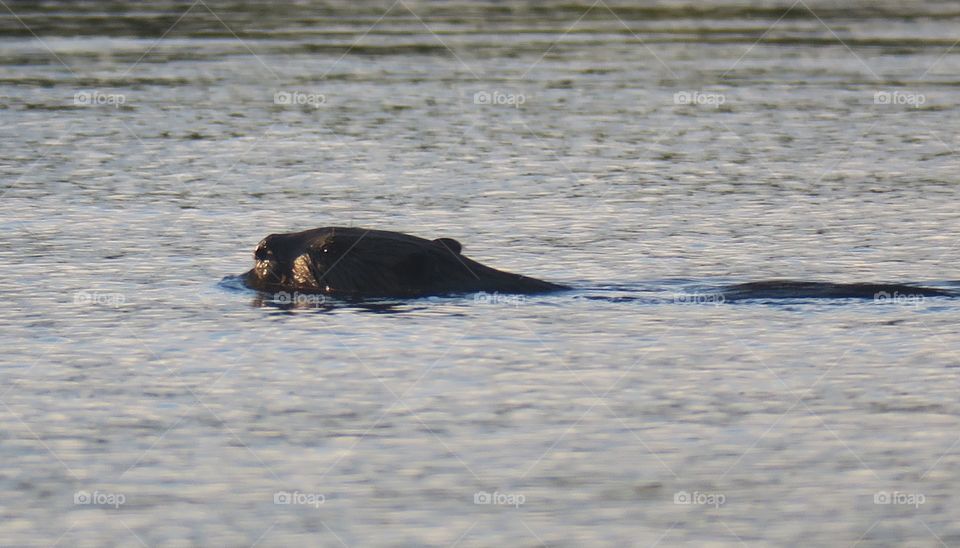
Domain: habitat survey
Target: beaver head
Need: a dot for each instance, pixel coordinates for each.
(355, 261)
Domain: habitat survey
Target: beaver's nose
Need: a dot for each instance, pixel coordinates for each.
(263, 253)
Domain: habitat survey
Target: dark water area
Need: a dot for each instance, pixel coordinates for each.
(644, 153)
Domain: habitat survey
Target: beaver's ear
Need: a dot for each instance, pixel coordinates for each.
(450, 244)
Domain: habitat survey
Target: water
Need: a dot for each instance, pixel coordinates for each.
(144, 402)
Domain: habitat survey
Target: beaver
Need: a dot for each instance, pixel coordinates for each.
(360, 262)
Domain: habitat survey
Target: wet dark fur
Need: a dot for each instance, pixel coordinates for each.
(375, 263)
(789, 289)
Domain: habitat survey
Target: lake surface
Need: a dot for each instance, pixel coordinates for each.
(639, 152)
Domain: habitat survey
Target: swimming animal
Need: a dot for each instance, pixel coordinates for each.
(360, 262)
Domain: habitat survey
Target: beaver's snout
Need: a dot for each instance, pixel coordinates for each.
(263, 253)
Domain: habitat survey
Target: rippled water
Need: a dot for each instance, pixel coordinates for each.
(638, 152)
